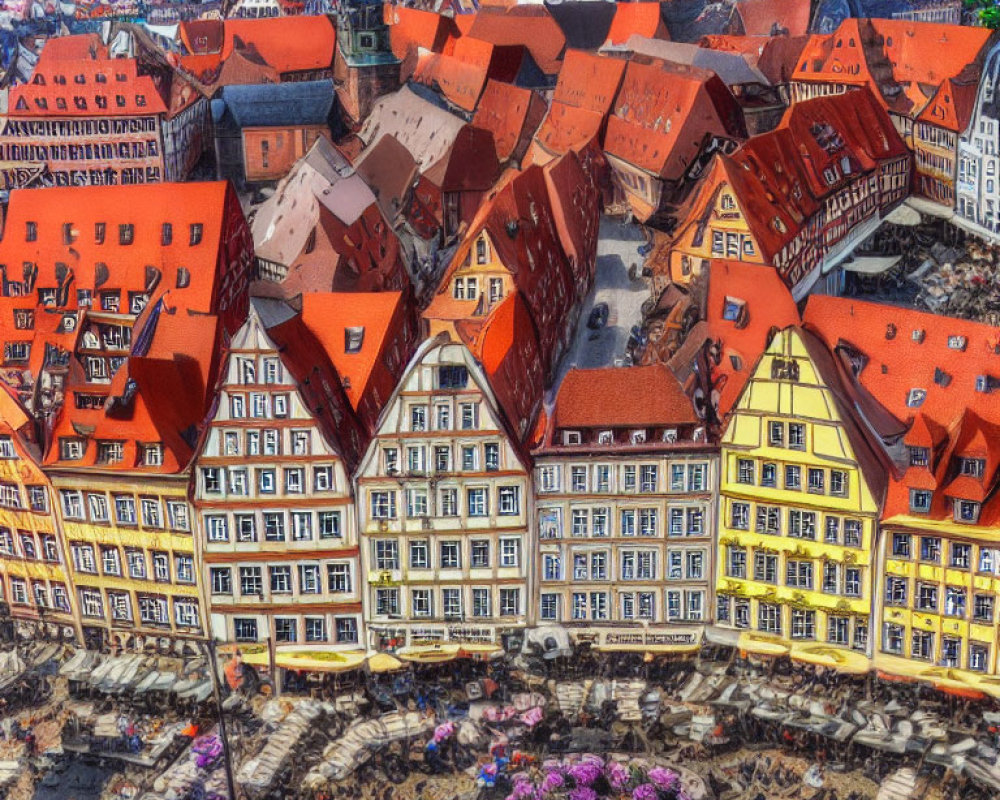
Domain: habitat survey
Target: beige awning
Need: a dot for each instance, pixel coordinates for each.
(429, 654)
(383, 662)
(871, 265)
(903, 215)
(751, 644)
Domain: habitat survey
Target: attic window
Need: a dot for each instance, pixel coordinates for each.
(42, 103)
(941, 378)
(31, 231)
(121, 77)
(606, 437)
(22, 104)
(140, 100)
(99, 231)
(973, 467)
(38, 79)
(100, 101)
(353, 338)
(120, 100)
(785, 369)
(571, 437)
(195, 233)
(183, 277)
(918, 335)
(61, 103)
(778, 225)
(100, 77)
(890, 331)
(957, 343)
(80, 103)
(919, 456)
(734, 310)
(916, 398)
(166, 234)
(68, 233)
(126, 233)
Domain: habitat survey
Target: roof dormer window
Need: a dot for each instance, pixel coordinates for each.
(571, 437)
(919, 456)
(353, 339)
(956, 342)
(966, 511)
(973, 467)
(606, 437)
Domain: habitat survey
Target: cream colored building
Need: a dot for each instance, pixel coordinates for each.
(625, 489)
(443, 499)
(272, 491)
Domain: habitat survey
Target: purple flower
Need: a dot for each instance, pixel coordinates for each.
(590, 758)
(585, 773)
(644, 791)
(522, 789)
(618, 775)
(583, 793)
(664, 778)
(553, 781)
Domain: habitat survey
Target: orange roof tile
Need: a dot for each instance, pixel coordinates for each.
(86, 88)
(662, 115)
(531, 26)
(951, 106)
(906, 355)
(891, 57)
(761, 17)
(510, 113)
(150, 400)
(81, 234)
(506, 344)
(643, 19)
(565, 128)
(80, 47)
(771, 182)
(410, 28)
(289, 44)
(329, 315)
(768, 304)
(592, 398)
(589, 81)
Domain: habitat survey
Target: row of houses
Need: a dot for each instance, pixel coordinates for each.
(343, 471)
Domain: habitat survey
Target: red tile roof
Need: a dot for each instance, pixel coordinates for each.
(589, 81)
(151, 400)
(574, 182)
(410, 28)
(759, 17)
(511, 114)
(506, 344)
(565, 128)
(917, 346)
(664, 112)
(892, 58)
(462, 75)
(769, 306)
(201, 35)
(777, 57)
(640, 18)
(289, 44)
(320, 385)
(86, 88)
(772, 182)
(79, 234)
(329, 315)
(592, 398)
(951, 106)
(81, 47)
(531, 26)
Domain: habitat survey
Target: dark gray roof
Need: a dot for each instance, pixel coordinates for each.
(273, 104)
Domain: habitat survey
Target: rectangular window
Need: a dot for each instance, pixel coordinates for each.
(338, 578)
(480, 553)
(477, 502)
(98, 505)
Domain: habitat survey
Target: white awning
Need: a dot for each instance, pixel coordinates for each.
(929, 207)
(871, 265)
(903, 215)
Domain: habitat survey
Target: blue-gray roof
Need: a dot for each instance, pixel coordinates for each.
(273, 104)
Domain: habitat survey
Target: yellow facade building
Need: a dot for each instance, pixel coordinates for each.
(33, 579)
(799, 499)
(940, 547)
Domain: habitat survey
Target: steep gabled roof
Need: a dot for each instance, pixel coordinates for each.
(951, 106)
(642, 19)
(768, 305)
(588, 81)
(663, 114)
(531, 26)
(86, 88)
(289, 44)
(410, 28)
(510, 113)
(761, 17)
(323, 178)
(329, 316)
